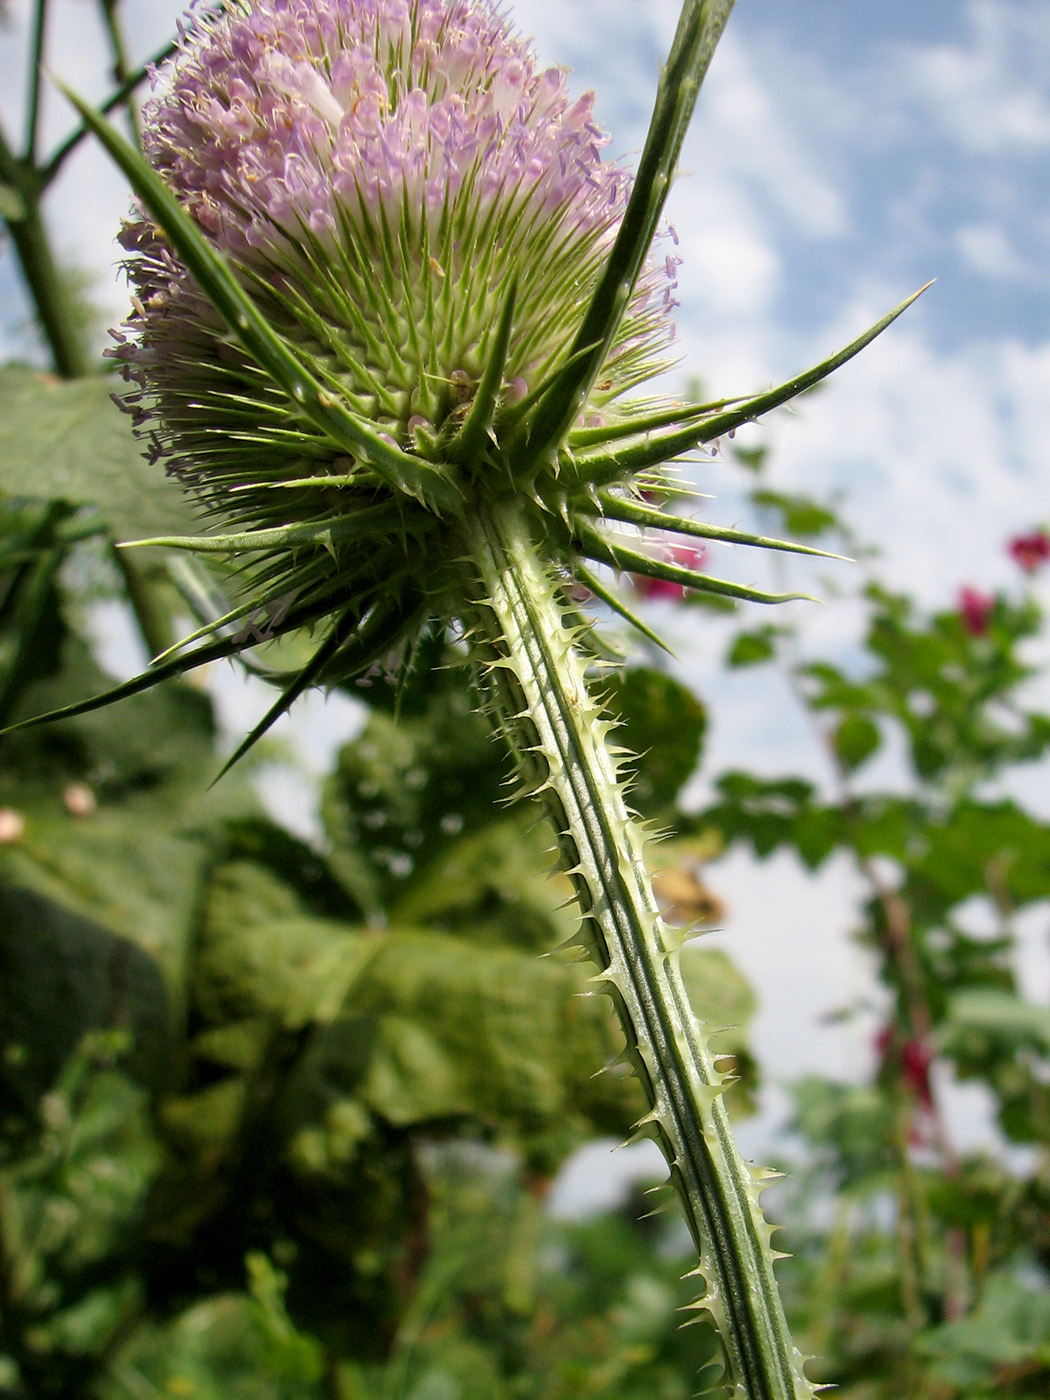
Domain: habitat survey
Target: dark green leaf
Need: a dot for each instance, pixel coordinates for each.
(753, 648)
(664, 723)
(62, 976)
(800, 514)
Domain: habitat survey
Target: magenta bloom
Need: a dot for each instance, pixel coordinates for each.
(975, 608)
(1030, 551)
(688, 556)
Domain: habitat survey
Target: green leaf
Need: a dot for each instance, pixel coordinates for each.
(406, 792)
(132, 861)
(665, 723)
(801, 515)
(1011, 1022)
(753, 648)
(484, 1032)
(62, 976)
(260, 953)
(982, 840)
(855, 740)
(769, 815)
(1007, 1332)
(65, 440)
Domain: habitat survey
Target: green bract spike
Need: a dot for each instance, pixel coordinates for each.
(356, 643)
(594, 583)
(621, 557)
(700, 27)
(468, 442)
(635, 513)
(325, 532)
(624, 462)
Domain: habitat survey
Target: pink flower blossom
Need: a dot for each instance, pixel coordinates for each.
(379, 172)
(687, 556)
(975, 608)
(1030, 551)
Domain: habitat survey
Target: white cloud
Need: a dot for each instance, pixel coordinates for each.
(944, 455)
(733, 264)
(746, 129)
(989, 250)
(989, 92)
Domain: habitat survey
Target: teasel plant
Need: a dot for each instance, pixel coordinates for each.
(394, 316)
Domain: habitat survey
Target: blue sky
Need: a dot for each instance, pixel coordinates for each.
(842, 155)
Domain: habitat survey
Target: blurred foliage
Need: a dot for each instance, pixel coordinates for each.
(278, 1118)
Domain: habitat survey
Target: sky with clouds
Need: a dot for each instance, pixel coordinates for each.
(841, 156)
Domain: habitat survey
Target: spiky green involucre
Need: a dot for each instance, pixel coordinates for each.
(422, 213)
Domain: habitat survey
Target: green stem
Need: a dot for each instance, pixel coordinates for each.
(47, 287)
(36, 64)
(121, 69)
(533, 677)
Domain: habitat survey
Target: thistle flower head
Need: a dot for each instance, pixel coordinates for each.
(385, 285)
(422, 213)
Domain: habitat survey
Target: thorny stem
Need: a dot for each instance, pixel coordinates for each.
(533, 679)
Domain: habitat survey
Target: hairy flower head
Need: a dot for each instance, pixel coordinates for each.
(380, 174)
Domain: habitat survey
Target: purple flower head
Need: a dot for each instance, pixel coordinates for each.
(377, 173)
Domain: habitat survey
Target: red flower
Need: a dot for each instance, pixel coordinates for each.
(911, 1060)
(1030, 551)
(975, 608)
(915, 1070)
(687, 555)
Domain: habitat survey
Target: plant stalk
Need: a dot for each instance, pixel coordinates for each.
(532, 677)
(47, 288)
